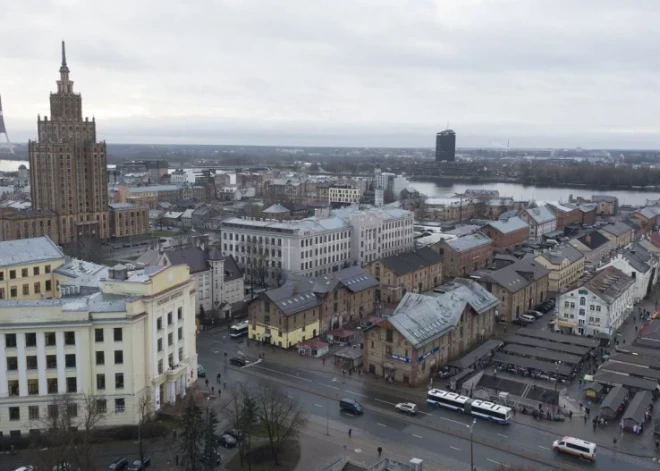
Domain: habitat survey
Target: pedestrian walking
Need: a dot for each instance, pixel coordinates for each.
(219, 392)
(380, 451)
(212, 389)
(585, 419)
(176, 460)
(350, 432)
(570, 414)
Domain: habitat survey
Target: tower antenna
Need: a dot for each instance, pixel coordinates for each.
(4, 146)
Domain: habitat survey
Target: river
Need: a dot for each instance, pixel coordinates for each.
(534, 193)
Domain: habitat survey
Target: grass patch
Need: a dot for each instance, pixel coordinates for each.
(164, 233)
(261, 459)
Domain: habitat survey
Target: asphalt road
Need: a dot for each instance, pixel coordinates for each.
(420, 431)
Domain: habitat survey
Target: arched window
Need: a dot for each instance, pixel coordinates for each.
(583, 301)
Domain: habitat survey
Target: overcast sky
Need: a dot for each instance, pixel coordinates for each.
(540, 73)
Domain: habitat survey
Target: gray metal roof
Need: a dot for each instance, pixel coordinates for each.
(276, 209)
(516, 276)
(195, 258)
(477, 354)
(422, 319)
(541, 214)
(559, 338)
(155, 188)
(547, 345)
(547, 366)
(608, 198)
(566, 251)
(469, 242)
(617, 228)
(638, 406)
(633, 370)
(625, 380)
(639, 258)
(409, 262)
(542, 354)
(608, 283)
(593, 240)
(37, 249)
(614, 398)
(506, 226)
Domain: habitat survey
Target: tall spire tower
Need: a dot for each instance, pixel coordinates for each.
(4, 146)
(68, 169)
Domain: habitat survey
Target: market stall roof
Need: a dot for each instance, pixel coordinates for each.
(559, 347)
(542, 354)
(560, 338)
(477, 354)
(546, 366)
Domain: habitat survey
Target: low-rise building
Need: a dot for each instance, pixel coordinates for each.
(566, 265)
(619, 233)
(408, 272)
(587, 213)
(127, 219)
(464, 255)
(305, 307)
(449, 208)
(595, 247)
(566, 213)
(427, 331)
(344, 194)
(27, 269)
(130, 341)
(648, 217)
(607, 205)
(520, 286)
(28, 223)
(541, 221)
(507, 233)
(599, 305)
(641, 265)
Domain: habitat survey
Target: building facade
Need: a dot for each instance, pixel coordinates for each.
(133, 338)
(606, 205)
(507, 233)
(408, 272)
(427, 331)
(567, 214)
(465, 255)
(28, 223)
(595, 247)
(566, 265)
(598, 306)
(445, 146)
(344, 194)
(541, 221)
(620, 234)
(639, 264)
(305, 307)
(128, 220)
(68, 167)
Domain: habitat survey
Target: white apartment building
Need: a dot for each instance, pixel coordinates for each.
(134, 336)
(541, 221)
(320, 245)
(390, 181)
(178, 177)
(344, 194)
(598, 306)
(641, 266)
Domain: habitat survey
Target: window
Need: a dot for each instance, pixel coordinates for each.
(180, 333)
(53, 411)
(50, 339)
(169, 318)
(119, 357)
(13, 387)
(100, 358)
(13, 292)
(24, 272)
(51, 362)
(120, 405)
(31, 340)
(35, 271)
(12, 363)
(33, 412)
(118, 334)
(179, 313)
(181, 353)
(159, 323)
(101, 406)
(100, 382)
(26, 289)
(37, 288)
(566, 304)
(47, 269)
(119, 380)
(31, 362)
(98, 335)
(72, 409)
(70, 360)
(389, 335)
(14, 413)
(33, 387)
(583, 301)
(12, 274)
(160, 345)
(160, 366)
(48, 285)
(10, 340)
(72, 385)
(169, 339)
(69, 338)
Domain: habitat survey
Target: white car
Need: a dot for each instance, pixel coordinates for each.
(406, 407)
(25, 468)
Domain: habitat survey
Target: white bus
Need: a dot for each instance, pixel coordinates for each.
(450, 400)
(575, 446)
(490, 411)
(238, 330)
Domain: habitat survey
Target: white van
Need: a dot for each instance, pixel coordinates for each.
(575, 446)
(528, 318)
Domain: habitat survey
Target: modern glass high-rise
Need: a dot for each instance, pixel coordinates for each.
(445, 146)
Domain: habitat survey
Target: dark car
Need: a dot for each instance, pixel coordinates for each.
(237, 433)
(118, 464)
(237, 361)
(201, 372)
(140, 466)
(227, 441)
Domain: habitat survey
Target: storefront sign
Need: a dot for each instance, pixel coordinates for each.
(427, 354)
(401, 358)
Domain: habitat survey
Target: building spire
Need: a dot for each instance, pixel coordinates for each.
(64, 68)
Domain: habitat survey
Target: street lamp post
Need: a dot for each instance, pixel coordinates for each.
(471, 443)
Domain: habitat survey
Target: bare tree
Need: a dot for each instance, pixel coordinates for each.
(281, 416)
(241, 412)
(85, 248)
(144, 409)
(94, 409)
(258, 257)
(181, 239)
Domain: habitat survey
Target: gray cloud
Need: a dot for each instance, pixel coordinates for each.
(346, 72)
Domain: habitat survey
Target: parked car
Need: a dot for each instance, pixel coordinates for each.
(201, 372)
(406, 408)
(237, 433)
(536, 314)
(118, 464)
(237, 361)
(137, 465)
(25, 468)
(227, 441)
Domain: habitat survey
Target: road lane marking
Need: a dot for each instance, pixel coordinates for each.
(505, 436)
(386, 402)
(318, 405)
(454, 421)
(333, 387)
(545, 448)
(454, 448)
(417, 436)
(425, 413)
(290, 397)
(382, 425)
(285, 374)
(353, 392)
(493, 461)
